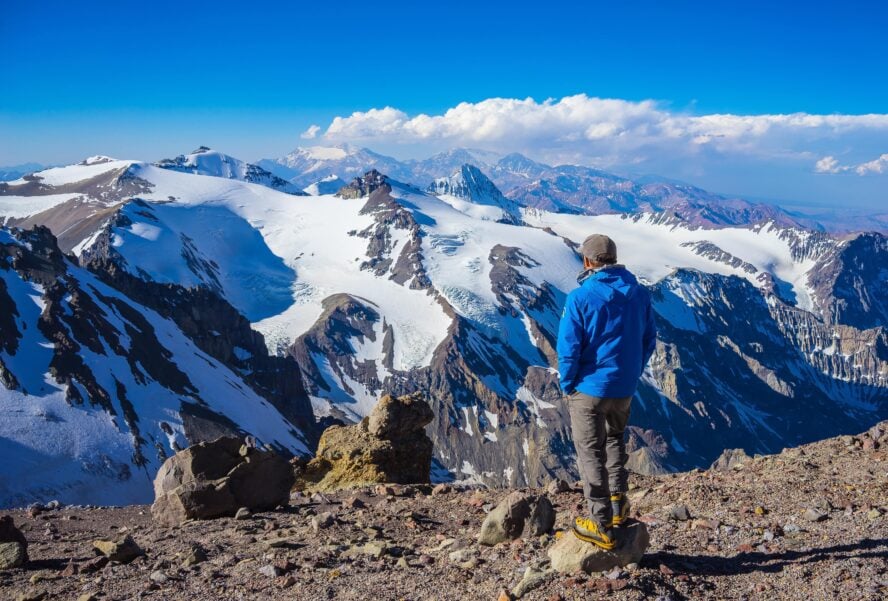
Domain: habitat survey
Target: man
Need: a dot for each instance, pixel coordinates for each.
(606, 336)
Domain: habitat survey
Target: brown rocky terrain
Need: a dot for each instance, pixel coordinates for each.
(808, 523)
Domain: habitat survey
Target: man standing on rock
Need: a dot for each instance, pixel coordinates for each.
(606, 336)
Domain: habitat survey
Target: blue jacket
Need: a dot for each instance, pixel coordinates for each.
(606, 335)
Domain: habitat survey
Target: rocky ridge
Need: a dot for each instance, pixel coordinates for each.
(764, 528)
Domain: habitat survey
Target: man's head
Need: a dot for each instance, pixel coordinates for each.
(598, 250)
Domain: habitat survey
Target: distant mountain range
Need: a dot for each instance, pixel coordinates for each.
(563, 188)
(178, 300)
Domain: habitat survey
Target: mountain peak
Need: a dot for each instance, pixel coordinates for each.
(469, 183)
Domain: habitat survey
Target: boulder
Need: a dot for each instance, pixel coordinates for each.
(569, 554)
(516, 515)
(13, 545)
(215, 479)
(388, 446)
(393, 416)
(122, 550)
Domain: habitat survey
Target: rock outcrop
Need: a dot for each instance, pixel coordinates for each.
(570, 554)
(214, 479)
(730, 459)
(13, 545)
(388, 446)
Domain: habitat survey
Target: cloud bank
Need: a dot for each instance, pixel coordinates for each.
(620, 134)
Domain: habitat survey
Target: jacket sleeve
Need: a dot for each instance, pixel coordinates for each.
(649, 340)
(570, 344)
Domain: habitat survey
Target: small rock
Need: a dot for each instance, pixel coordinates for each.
(354, 503)
(324, 520)
(680, 513)
(243, 514)
(158, 576)
(88, 597)
(874, 513)
(270, 571)
(34, 510)
(615, 574)
(194, 556)
(93, 565)
(402, 563)
(32, 596)
(440, 489)
(320, 499)
(120, 551)
(532, 579)
(557, 486)
(504, 596)
(71, 569)
(813, 515)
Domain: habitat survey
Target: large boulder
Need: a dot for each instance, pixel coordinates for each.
(570, 554)
(215, 479)
(516, 515)
(13, 545)
(388, 446)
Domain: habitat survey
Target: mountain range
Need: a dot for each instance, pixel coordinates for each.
(150, 305)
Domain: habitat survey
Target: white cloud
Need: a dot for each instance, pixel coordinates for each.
(612, 132)
(829, 164)
(311, 133)
(879, 165)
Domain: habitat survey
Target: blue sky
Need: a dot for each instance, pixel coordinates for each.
(149, 80)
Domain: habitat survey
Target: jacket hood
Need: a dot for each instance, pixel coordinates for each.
(611, 283)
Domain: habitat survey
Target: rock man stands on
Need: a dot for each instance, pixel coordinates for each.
(606, 336)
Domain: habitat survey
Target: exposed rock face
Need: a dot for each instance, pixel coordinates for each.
(220, 331)
(470, 184)
(516, 515)
(569, 554)
(363, 186)
(213, 479)
(75, 342)
(13, 545)
(389, 446)
(730, 459)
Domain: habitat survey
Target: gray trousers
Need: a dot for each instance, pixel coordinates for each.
(598, 426)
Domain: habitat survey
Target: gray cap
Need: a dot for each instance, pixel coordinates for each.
(599, 248)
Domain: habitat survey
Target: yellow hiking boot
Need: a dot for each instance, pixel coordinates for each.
(620, 507)
(589, 531)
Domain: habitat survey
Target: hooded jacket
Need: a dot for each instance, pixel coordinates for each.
(607, 334)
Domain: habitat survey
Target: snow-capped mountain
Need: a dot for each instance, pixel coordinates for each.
(326, 185)
(563, 188)
(305, 166)
(205, 161)
(100, 387)
(771, 334)
(470, 191)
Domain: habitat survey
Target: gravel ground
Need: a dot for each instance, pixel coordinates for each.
(809, 523)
